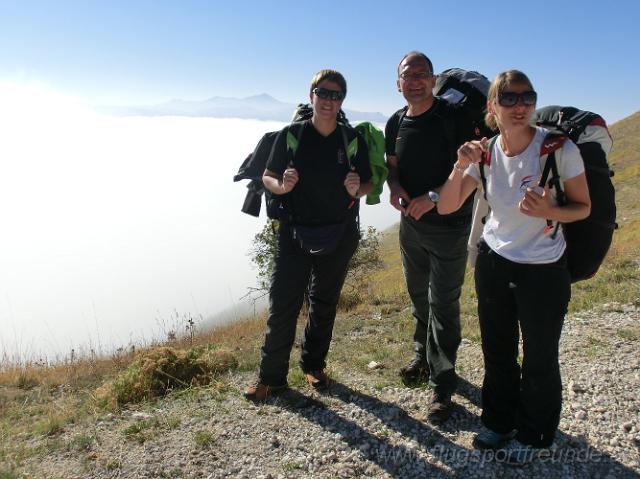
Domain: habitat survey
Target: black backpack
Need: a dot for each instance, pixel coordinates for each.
(588, 240)
(467, 90)
(254, 165)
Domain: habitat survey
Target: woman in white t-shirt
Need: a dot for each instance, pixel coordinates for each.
(521, 278)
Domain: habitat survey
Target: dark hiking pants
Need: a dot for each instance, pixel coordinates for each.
(434, 260)
(534, 299)
(294, 270)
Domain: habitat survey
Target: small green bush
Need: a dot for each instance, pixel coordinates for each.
(204, 439)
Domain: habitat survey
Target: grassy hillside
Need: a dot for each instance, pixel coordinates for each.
(625, 161)
(38, 403)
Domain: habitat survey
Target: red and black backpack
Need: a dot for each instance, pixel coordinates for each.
(588, 240)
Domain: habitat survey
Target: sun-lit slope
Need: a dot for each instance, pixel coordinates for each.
(625, 161)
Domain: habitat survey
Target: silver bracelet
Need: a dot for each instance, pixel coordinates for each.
(456, 167)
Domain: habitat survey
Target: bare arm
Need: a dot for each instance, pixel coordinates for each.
(459, 186)
(354, 187)
(280, 184)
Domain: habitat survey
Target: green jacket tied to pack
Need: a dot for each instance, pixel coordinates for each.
(373, 137)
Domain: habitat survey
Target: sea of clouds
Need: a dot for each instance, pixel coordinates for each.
(114, 230)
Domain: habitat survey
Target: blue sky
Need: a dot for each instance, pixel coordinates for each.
(140, 52)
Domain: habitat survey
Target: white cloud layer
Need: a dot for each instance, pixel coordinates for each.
(109, 224)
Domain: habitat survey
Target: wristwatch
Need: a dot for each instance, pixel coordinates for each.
(434, 196)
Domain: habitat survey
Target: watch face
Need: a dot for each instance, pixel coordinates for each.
(434, 196)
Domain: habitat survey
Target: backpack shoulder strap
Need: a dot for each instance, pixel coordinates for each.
(350, 144)
(450, 125)
(396, 128)
(550, 154)
(486, 161)
(294, 134)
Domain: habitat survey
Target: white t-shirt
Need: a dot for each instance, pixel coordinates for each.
(507, 231)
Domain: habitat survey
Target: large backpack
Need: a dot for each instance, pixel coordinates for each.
(254, 165)
(588, 240)
(467, 90)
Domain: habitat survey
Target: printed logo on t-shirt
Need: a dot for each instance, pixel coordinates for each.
(529, 181)
(342, 158)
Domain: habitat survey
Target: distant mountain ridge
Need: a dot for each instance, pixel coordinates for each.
(256, 107)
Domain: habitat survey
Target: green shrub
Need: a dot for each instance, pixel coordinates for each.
(204, 439)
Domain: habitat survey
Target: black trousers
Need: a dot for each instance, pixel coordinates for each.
(533, 299)
(295, 270)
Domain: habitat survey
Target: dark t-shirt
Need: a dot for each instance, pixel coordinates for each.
(425, 147)
(320, 196)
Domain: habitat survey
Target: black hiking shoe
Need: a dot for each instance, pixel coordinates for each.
(416, 370)
(488, 439)
(439, 409)
(518, 454)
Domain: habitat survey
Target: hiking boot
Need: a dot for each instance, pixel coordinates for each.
(258, 392)
(318, 379)
(416, 370)
(439, 409)
(518, 454)
(488, 439)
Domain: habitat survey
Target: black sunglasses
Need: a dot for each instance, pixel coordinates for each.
(511, 98)
(327, 94)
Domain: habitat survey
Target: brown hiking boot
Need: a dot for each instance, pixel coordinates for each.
(318, 379)
(439, 409)
(416, 370)
(258, 392)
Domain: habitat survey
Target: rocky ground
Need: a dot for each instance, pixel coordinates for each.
(363, 428)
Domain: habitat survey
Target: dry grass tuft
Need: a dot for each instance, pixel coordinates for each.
(157, 371)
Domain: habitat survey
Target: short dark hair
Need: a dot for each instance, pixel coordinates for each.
(329, 75)
(415, 53)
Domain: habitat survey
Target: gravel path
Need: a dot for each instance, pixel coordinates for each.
(359, 430)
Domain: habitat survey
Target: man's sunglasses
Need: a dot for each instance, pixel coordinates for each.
(415, 76)
(327, 94)
(511, 98)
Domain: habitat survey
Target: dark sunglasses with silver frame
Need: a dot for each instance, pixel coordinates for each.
(327, 94)
(511, 98)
